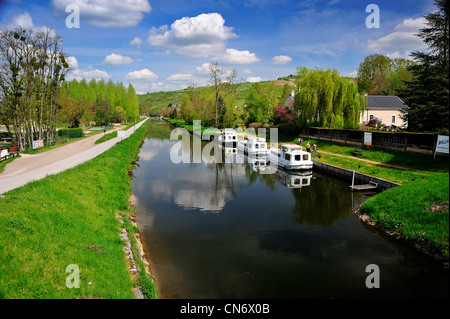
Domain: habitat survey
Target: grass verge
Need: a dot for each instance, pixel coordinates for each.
(417, 212)
(70, 219)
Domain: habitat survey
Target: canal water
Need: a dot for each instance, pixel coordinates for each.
(226, 230)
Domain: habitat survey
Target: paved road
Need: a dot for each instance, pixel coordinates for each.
(30, 168)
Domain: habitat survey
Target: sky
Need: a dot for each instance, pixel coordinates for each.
(164, 45)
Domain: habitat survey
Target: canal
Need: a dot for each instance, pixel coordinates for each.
(226, 230)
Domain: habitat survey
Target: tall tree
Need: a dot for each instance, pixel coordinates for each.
(32, 68)
(427, 95)
(325, 99)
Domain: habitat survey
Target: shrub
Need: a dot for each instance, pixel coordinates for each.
(71, 132)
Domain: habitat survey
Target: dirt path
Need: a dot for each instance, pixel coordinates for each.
(34, 167)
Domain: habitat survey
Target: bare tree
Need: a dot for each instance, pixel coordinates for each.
(216, 73)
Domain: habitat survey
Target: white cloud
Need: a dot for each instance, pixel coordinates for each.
(144, 74)
(25, 21)
(73, 63)
(117, 59)
(403, 38)
(137, 42)
(201, 36)
(399, 55)
(232, 56)
(281, 59)
(88, 73)
(180, 77)
(109, 14)
(352, 74)
(204, 68)
(144, 87)
(253, 79)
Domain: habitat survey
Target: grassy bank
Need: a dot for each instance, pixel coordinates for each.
(416, 211)
(70, 218)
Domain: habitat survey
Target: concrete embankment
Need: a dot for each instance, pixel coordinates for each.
(348, 175)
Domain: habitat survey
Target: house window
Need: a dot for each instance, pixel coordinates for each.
(393, 119)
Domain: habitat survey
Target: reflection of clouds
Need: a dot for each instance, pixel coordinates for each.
(200, 188)
(148, 154)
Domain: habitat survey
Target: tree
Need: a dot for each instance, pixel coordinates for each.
(325, 99)
(32, 68)
(427, 95)
(216, 73)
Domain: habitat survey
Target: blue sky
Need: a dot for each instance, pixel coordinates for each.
(160, 45)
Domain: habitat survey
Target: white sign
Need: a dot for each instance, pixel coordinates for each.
(367, 138)
(122, 134)
(38, 144)
(442, 144)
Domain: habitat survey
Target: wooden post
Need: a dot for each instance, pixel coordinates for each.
(353, 179)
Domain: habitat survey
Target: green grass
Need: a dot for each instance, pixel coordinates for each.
(70, 218)
(406, 210)
(106, 137)
(415, 161)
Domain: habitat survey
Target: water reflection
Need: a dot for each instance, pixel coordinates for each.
(226, 230)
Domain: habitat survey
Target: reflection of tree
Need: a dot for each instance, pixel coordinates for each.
(323, 203)
(159, 131)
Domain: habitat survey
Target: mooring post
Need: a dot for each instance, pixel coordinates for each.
(353, 179)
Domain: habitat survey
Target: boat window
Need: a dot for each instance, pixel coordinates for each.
(287, 157)
(263, 145)
(297, 181)
(297, 157)
(256, 145)
(305, 157)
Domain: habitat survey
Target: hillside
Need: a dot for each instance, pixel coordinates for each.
(158, 100)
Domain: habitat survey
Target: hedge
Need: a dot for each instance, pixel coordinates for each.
(71, 132)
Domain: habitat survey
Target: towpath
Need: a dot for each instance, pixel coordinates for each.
(30, 168)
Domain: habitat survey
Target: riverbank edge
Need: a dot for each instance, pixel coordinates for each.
(138, 264)
(420, 246)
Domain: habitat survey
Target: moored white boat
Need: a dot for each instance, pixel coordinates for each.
(253, 145)
(291, 157)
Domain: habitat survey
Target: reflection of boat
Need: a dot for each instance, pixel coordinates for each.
(294, 179)
(253, 145)
(230, 151)
(290, 156)
(257, 163)
(228, 137)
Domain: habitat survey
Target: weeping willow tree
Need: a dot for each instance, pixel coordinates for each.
(325, 99)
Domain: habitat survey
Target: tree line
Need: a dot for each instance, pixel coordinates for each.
(32, 67)
(83, 102)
